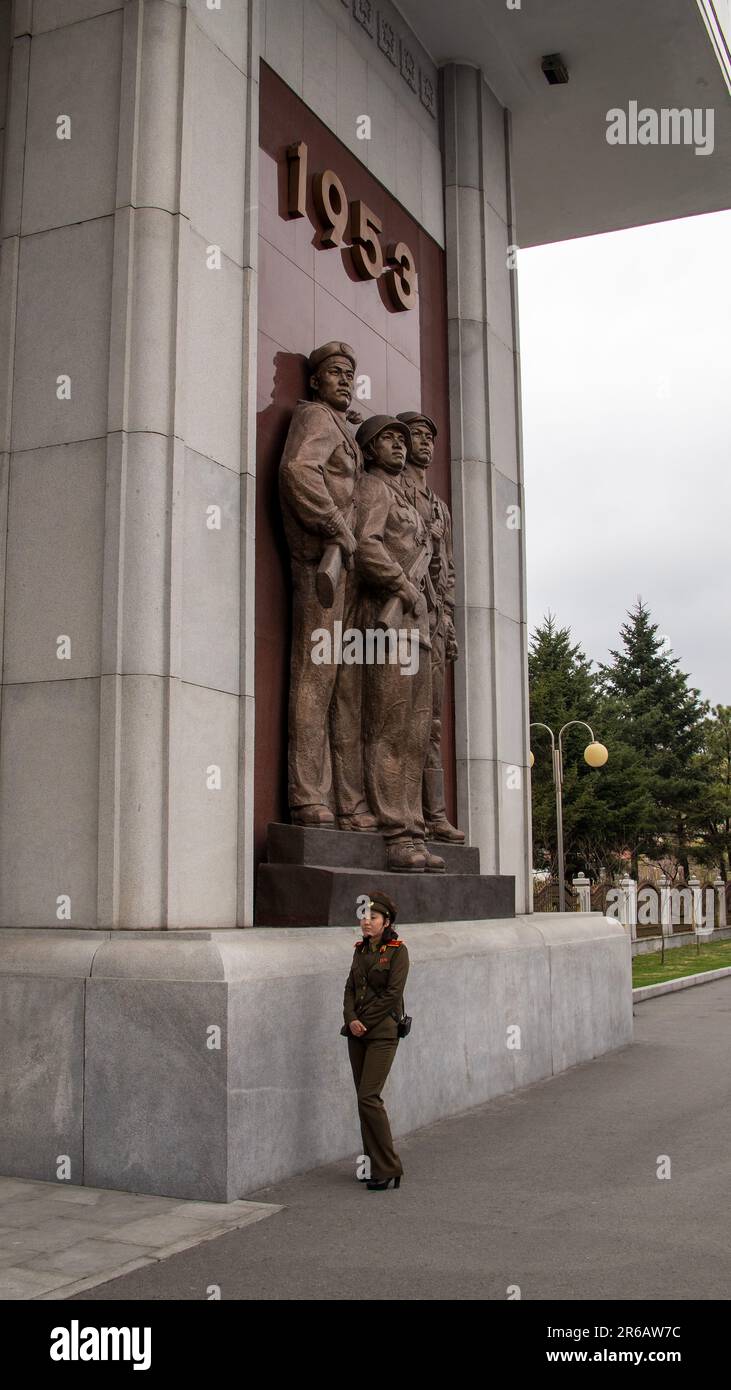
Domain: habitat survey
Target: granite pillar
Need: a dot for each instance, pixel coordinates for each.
(127, 297)
(491, 677)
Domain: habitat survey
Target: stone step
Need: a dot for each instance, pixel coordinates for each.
(350, 849)
(300, 895)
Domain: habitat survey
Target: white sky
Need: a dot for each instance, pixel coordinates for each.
(626, 377)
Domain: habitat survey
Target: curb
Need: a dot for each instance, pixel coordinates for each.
(189, 1242)
(684, 982)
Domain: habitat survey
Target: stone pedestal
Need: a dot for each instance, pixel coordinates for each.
(313, 878)
(208, 1064)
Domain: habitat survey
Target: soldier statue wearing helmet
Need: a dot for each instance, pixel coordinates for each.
(440, 597)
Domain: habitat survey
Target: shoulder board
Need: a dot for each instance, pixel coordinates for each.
(359, 944)
(392, 943)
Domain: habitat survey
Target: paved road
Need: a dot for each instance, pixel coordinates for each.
(553, 1188)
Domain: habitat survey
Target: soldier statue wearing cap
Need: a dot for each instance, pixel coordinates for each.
(440, 598)
(372, 1003)
(392, 560)
(320, 467)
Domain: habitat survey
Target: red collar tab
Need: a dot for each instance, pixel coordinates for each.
(362, 942)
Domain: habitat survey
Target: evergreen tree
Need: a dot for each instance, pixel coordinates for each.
(606, 811)
(662, 720)
(562, 687)
(714, 812)
(626, 793)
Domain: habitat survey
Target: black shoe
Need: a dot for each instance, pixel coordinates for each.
(380, 1185)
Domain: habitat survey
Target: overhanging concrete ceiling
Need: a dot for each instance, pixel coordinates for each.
(568, 180)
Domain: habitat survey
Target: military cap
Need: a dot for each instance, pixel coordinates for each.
(381, 902)
(320, 354)
(409, 417)
(373, 426)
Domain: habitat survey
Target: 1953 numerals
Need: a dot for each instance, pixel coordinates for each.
(340, 219)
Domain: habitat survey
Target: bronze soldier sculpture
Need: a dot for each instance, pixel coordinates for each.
(392, 559)
(440, 598)
(320, 467)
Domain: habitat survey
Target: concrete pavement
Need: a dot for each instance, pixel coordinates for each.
(553, 1189)
(57, 1238)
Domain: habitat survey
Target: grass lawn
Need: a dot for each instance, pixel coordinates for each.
(680, 960)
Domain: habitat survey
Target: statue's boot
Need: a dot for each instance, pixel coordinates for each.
(320, 816)
(359, 820)
(435, 812)
(403, 857)
(434, 862)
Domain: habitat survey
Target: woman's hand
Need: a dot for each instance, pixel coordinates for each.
(357, 1029)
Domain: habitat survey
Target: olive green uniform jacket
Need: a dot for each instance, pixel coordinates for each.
(374, 990)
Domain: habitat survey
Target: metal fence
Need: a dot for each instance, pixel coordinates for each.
(681, 903)
(545, 897)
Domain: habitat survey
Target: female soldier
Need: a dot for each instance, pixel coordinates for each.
(372, 1003)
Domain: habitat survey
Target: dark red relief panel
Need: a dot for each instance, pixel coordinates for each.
(309, 294)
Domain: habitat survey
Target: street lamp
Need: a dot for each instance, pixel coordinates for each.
(595, 754)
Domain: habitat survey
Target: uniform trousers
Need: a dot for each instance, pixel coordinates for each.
(397, 724)
(438, 671)
(317, 690)
(371, 1062)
